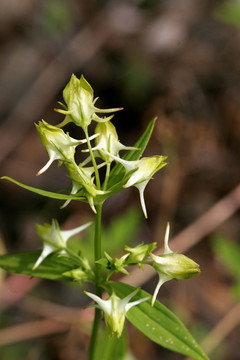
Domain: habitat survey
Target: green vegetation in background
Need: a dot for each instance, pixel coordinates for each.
(229, 254)
(56, 16)
(228, 12)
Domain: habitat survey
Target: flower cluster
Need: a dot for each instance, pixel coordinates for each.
(80, 109)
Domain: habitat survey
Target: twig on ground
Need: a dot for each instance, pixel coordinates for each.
(222, 329)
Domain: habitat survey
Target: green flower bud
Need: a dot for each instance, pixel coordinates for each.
(55, 239)
(171, 265)
(115, 310)
(175, 266)
(60, 146)
(114, 264)
(81, 109)
(82, 273)
(144, 168)
(78, 275)
(139, 253)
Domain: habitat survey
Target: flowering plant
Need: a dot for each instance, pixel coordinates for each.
(104, 148)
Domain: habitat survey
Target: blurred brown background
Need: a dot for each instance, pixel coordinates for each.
(177, 60)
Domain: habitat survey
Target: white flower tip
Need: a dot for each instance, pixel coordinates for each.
(135, 303)
(93, 209)
(155, 295)
(41, 171)
(37, 263)
(92, 296)
(65, 204)
(91, 203)
(167, 250)
(45, 167)
(142, 201)
(161, 281)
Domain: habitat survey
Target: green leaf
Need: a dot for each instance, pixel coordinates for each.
(118, 171)
(229, 254)
(141, 143)
(228, 12)
(236, 290)
(159, 324)
(51, 268)
(49, 194)
(110, 347)
(119, 180)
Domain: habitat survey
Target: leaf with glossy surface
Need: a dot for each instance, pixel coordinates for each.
(159, 324)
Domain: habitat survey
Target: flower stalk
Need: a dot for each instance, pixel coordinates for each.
(98, 275)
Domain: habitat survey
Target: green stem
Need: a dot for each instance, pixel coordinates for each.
(106, 176)
(98, 275)
(93, 341)
(97, 255)
(98, 183)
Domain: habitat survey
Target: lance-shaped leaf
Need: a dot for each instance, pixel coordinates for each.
(46, 193)
(160, 325)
